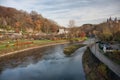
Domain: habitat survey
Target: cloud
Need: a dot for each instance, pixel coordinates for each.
(82, 11)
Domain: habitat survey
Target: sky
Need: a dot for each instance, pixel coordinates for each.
(62, 11)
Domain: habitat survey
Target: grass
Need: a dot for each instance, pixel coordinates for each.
(71, 49)
(77, 39)
(2, 47)
(114, 56)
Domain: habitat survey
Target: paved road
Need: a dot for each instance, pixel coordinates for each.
(111, 65)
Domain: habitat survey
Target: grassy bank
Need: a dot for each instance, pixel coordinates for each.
(72, 48)
(11, 46)
(96, 70)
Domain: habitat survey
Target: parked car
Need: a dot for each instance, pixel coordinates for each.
(106, 44)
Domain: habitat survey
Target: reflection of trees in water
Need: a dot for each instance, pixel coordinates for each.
(21, 59)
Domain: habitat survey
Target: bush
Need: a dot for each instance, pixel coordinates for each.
(102, 69)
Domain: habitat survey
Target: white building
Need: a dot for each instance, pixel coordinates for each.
(2, 30)
(62, 31)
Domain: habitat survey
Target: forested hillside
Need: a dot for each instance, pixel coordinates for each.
(19, 20)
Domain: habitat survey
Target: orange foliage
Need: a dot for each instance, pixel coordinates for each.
(22, 43)
(17, 24)
(82, 34)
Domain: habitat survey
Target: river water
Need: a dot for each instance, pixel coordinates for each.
(53, 65)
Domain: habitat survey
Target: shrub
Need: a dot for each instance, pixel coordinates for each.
(102, 69)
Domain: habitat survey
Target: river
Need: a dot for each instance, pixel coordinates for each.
(53, 65)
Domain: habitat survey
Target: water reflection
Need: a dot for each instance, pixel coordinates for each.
(53, 65)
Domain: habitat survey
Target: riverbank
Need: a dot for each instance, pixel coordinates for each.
(32, 47)
(96, 70)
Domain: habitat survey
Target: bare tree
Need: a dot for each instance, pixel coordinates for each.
(71, 23)
(71, 29)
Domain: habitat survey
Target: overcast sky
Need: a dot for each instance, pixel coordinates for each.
(61, 11)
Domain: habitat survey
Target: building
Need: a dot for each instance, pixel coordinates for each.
(63, 31)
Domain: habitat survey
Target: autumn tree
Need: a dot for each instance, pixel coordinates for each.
(22, 21)
(53, 26)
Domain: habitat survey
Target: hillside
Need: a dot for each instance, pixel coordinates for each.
(13, 20)
(108, 30)
(19, 20)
